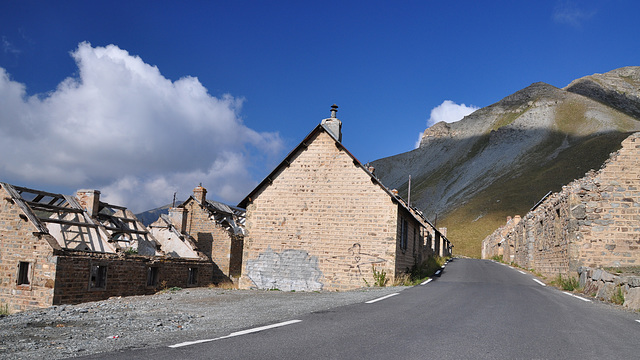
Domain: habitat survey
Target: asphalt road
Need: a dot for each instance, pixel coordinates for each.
(477, 309)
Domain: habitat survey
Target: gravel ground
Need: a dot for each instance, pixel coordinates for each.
(66, 331)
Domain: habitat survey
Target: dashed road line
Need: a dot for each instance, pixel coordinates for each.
(438, 272)
(539, 282)
(638, 321)
(426, 282)
(522, 272)
(382, 298)
(576, 296)
(237, 333)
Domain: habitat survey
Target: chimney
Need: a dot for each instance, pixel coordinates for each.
(372, 170)
(443, 231)
(200, 194)
(332, 124)
(178, 218)
(517, 219)
(89, 200)
(394, 192)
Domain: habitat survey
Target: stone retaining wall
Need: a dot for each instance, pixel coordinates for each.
(594, 221)
(609, 287)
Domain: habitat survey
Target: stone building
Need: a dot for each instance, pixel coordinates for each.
(59, 249)
(322, 221)
(208, 228)
(593, 222)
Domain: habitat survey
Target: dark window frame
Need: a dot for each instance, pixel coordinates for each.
(98, 277)
(192, 277)
(152, 276)
(24, 273)
(404, 234)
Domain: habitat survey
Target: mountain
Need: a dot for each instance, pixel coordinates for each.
(500, 160)
(150, 216)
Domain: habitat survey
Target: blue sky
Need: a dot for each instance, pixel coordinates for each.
(141, 99)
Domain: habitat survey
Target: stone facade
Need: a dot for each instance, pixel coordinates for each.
(216, 230)
(594, 221)
(71, 257)
(21, 242)
(321, 221)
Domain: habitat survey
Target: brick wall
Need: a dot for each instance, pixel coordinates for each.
(125, 275)
(321, 224)
(594, 221)
(19, 243)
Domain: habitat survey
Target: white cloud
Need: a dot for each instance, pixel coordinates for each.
(125, 129)
(449, 112)
(417, 144)
(567, 12)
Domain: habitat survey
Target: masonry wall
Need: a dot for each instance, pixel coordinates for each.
(414, 253)
(321, 224)
(19, 242)
(213, 240)
(125, 275)
(594, 221)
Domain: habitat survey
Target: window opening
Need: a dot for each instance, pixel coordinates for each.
(405, 234)
(193, 276)
(98, 277)
(152, 276)
(23, 273)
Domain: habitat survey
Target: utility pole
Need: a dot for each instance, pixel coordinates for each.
(409, 194)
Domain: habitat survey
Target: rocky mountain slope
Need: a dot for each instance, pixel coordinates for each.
(500, 160)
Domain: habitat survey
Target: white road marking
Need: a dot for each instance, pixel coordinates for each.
(426, 282)
(576, 296)
(539, 282)
(522, 272)
(438, 272)
(237, 333)
(638, 321)
(382, 298)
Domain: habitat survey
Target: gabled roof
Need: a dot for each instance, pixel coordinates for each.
(303, 145)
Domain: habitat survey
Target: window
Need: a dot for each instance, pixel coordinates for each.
(152, 276)
(405, 234)
(24, 273)
(193, 276)
(98, 278)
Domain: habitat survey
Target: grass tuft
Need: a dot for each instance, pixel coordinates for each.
(379, 277)
(566, 283)
(618, 296)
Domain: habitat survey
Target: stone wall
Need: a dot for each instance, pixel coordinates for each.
(125, 275)
(322, 223)
(622, 289)
(223, 248)
(494, 245)
(594, 221)
(414, 253)
(21, 242)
